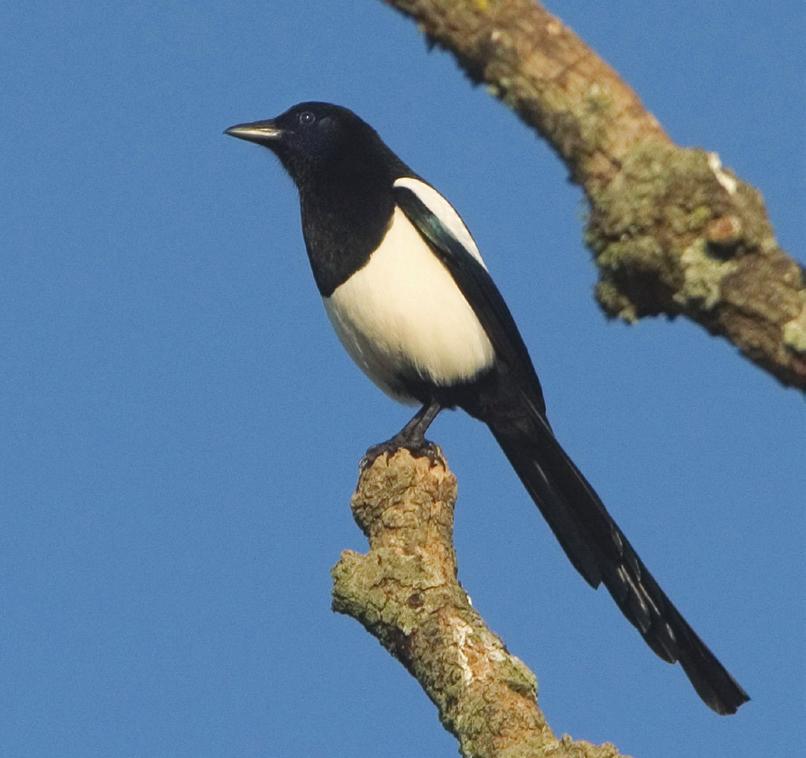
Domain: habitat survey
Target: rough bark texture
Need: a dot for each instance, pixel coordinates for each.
(672, 231)
(406, 593)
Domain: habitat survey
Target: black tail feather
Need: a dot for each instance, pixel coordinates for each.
(601, 553)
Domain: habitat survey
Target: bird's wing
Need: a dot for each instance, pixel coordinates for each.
(443, 229)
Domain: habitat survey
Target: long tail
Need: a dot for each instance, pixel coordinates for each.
(601, 553)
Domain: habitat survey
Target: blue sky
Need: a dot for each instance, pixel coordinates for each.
(182, 429)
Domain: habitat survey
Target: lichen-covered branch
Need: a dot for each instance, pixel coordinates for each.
(673, 232)
(406, 593)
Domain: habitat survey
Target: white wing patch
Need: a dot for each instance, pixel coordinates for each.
(404, 311)
(444, 211)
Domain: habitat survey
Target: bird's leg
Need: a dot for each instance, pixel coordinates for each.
(411, 436)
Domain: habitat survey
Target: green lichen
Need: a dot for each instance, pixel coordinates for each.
(594, 115)
(519, 678)
(702, 276)
(648, 231)
(614, 302)
(698, 218)
(795, 332)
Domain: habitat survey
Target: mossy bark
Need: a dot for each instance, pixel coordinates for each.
(406, 593)
(673, 232)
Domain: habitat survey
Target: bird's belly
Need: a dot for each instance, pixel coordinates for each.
(402, 317)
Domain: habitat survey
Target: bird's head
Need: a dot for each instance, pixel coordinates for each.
(313, 138)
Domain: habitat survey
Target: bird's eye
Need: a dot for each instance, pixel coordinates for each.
(306, 118)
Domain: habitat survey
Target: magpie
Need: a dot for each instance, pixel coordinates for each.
(413, 303)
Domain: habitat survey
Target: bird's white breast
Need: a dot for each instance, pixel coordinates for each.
(403, 310)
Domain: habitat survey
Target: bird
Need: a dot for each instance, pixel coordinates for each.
(413, 303)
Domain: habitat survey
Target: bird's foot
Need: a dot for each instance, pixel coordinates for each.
(419, 448)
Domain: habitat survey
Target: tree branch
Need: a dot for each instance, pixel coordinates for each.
(406, 593)
(672, 231)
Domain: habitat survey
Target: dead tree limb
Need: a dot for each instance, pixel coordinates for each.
(673, 232)
(406, 593)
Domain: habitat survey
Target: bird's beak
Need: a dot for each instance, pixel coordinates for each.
(261, 132)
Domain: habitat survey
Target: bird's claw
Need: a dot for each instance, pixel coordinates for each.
(418, 448)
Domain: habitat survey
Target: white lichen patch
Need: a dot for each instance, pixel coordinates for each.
(724, 178)
(460, 633)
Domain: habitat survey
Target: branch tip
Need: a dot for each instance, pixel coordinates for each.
(405, 592)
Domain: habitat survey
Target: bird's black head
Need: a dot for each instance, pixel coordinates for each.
(315, 139)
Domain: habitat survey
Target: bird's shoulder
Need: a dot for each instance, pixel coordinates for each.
(408, 187)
